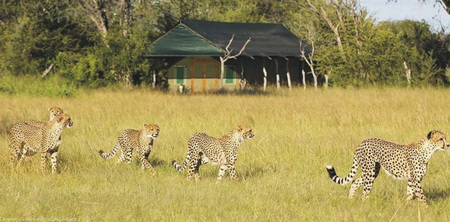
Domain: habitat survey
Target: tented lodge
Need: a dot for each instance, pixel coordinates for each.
(198, 52)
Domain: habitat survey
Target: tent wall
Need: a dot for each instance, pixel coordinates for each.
(202, 74)
(199, 74)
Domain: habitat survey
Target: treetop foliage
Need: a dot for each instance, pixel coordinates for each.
(95, 43)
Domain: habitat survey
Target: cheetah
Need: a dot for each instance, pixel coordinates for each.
(26, 140)
(407, 162)
(223, 151)
(141, 140)
(54, 111)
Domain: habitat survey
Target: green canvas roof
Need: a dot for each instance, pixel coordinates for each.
(181, 41)
(206, 38)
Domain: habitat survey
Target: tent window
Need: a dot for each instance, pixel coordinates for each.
(229, 75)
(180, 74)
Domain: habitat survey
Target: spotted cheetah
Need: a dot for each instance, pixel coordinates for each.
(27, 139)
(54, 111)
(399, 161)
(204, 149)
(141, 140)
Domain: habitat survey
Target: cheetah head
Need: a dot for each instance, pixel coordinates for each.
(245, 131)
(64, 120)
(151, 130)
(438, 139)
(54, 111)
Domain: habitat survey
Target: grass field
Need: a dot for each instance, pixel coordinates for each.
(281, 170)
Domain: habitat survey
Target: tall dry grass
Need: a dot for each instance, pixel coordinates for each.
(282, 170)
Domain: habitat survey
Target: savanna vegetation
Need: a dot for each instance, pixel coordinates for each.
(92, 44)
(93, 51)
(281, 170)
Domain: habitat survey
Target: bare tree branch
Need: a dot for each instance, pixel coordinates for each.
(309, 59)
(46, 71)
(229, 43)
(125, 8)
(228, 52)
(446, 5)
(337, 8)
(97, 13)
(228, 55)
(334, 28)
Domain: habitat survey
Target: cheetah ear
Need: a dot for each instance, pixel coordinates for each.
(59, 119)
(145, 124)
(239, 127)
(430, 134)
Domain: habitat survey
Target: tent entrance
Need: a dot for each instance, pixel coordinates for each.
(204, 75)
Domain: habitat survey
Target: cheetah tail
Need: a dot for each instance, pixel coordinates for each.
(109, 155)
(181, 167)
(339, 180)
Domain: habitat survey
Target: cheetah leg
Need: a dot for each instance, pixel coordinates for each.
(145, 163)
(377, 170)
(15, 153)
(43, 160)
(22, 156)
(368, 177)
(355, 185)
(53, 160)
(222, 170)
(232, 171)
(27, 152)
(126, 156)
(197, 169)
(417, 189)
(193, 166)
(410, 190)
(122, 158)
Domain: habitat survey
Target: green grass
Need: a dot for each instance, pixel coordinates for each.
(51, 86)
(281, 170)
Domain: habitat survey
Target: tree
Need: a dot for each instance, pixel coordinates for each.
(33, 33)
(309, 59)
(228, 55)
(353, 51)
(95, 43)
(444, 3)
(97, 12)
(124, 28)
(320, 11)
(101, 12)
(431, 47)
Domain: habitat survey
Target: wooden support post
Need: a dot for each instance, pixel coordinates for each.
(154, 80)
(243, 81)
(265, 75)
(222, 71)
(304, 78)
(288, 75)
(277, 74)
